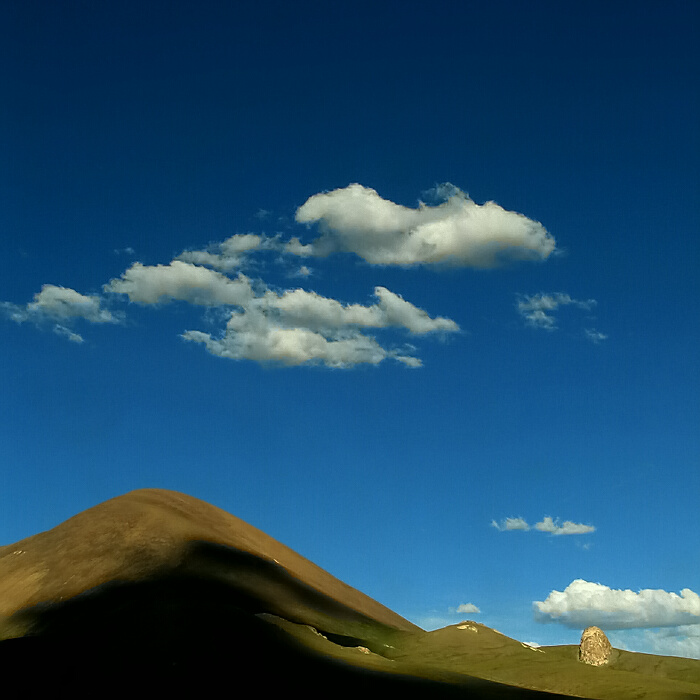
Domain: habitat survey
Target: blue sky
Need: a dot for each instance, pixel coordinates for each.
(249, 255)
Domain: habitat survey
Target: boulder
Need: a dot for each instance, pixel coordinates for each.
(595, 648)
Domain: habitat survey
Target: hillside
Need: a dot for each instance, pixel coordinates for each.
(163, 590)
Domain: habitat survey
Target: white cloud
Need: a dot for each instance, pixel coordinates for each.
(566, 528)
(314, 311)
(249, 338)
(68, 334)
(295, 247)
(303, 271)
(583, 603)
(458, 231)
(227, 255)
(681, 640)
(511, 524)
(547, 524)
(291, 328)
(60, 304)
(301, 327)
(298, 327)
(536, 310)
(467, 608)
(182, 281)
(64, 303)
(595, 336)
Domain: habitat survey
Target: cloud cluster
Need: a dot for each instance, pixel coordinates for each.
(537, 310)
(547, 524)
(583, 603)
(595, 336)
(292, 328)
(458, 231)
(299, 326)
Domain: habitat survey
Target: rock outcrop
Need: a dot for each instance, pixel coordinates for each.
(595, 648)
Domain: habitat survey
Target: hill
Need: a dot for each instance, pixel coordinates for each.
(159, 591)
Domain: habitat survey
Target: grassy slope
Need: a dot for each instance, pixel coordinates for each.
(485, 653)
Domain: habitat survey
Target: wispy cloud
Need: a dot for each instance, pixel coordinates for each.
(457, 231)
(547, 524)
(68, 334)
(566, 528)
(229, 254)
(537, 310)
(681, 640)
(583, 603)
(303, 271)
(510, 524)
(595, 336)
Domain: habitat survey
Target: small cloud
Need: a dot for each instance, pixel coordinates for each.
(302, 272)
(457, 231)
(295, 247)
(537, 310)
(547, 524)
(229, 254)
(183, 281)
(64, 303)
(595, 336)
(467, 608)
(510, 524)
(125, 251)
(60, 306)
(566, 528)
(583, 603)
(68, 334)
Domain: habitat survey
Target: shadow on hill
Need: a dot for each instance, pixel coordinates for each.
(197, 628)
